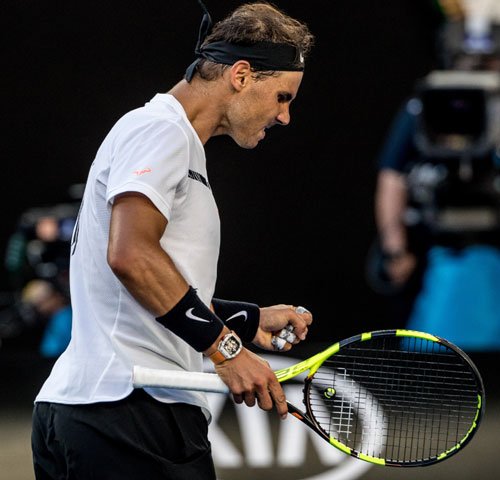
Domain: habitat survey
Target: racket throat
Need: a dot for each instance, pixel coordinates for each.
(300, 415)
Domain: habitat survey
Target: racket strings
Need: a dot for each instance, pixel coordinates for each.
(403, 400)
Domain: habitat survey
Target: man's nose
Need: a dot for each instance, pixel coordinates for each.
(283, 117)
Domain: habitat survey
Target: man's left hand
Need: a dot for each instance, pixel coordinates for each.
(274, 319)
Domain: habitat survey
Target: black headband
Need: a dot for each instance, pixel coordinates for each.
(262, 56)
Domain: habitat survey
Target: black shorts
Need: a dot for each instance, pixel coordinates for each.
(137, 438)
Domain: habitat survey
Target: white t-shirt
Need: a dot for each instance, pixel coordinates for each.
(153, 150)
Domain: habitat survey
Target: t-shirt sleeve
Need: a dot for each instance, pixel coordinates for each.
(151, 159)
(398, 147)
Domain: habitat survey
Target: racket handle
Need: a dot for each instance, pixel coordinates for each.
(197, 381)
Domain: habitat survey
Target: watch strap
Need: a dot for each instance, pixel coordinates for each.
(217, 357)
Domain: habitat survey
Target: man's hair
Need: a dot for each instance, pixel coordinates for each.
(251, 23)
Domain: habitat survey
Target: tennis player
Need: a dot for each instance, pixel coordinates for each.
(144, 266)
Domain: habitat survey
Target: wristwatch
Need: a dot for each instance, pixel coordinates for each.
(229, 346)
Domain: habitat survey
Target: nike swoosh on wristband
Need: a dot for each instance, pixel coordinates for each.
(243, 312)
(192, 316)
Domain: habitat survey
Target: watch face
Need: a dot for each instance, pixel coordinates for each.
(230, 346)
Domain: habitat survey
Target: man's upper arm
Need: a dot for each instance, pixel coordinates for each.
(135, 223)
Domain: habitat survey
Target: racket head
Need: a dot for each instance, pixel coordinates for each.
(395, 397)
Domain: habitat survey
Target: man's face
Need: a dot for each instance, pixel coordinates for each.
(261, 105)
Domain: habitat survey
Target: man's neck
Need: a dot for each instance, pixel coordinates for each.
(204, 104)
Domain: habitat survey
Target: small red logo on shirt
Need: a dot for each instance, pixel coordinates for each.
(142, 172)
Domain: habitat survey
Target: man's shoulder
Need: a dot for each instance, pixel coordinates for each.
(149, 121)
(154, 112)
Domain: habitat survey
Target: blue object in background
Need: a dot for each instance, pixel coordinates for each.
(460, 297)
(57, 333)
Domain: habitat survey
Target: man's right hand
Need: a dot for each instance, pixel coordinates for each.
(251, 379)
(400, 267)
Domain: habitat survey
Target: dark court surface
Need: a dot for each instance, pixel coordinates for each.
(251, 444)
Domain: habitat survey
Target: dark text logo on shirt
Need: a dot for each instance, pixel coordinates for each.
(199, 178)
(76, 230)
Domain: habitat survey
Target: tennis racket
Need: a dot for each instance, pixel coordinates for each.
(389, 397)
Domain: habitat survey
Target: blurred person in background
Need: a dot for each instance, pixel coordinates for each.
(437, 200)
(53, 306)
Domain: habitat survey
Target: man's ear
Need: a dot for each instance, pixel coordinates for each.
(240, 74)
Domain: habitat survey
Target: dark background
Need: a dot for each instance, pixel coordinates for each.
(297, 211)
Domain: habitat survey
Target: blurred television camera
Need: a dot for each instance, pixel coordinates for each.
(37, 254)
(454, 187)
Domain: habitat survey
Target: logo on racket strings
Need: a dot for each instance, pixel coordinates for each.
(250, 443)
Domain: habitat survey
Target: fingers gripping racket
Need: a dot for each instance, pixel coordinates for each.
(390, 397)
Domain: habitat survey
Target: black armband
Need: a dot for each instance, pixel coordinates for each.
(241, 317)
(193, 321)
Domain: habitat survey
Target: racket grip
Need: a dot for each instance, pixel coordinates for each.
(197, 381)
